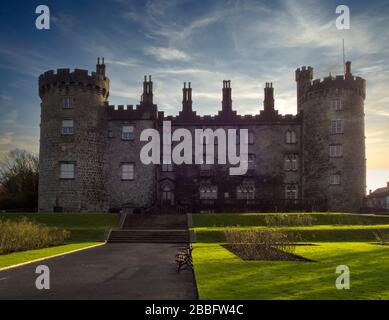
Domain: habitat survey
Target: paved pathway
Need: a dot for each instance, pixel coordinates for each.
(113, 271)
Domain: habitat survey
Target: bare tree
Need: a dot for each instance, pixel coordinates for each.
(19, 179)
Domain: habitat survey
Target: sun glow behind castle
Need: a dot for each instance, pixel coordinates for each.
(182, 152)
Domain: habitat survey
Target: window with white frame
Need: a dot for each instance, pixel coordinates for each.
(291, 137)
(337, 105)
(291, 191)
(68, 103)
(208, 192)
(336, 126)
(245, 192)
(66, 170)
(127, 132)
(335, 179)
(127, 171)
(291, 162)
(336, 150)
(67, 126)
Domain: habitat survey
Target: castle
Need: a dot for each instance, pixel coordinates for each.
(89, 150)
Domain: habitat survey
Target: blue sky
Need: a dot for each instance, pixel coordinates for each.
(248, 42)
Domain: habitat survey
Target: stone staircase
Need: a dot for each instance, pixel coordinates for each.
(152, 228)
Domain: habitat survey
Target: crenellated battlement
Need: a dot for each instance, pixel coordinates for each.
(237, 119)
(131, 112)
(53, 80)
(329, 85)
(304, 73)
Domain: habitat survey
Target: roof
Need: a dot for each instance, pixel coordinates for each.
(380, 192)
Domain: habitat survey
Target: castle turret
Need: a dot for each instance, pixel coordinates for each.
(334, 168)
(304, 77)
(72, 139)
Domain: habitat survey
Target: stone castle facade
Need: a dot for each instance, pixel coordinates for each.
(89, 150)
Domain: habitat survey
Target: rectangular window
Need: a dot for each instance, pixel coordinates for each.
(251, 160)
(245, 192)
(207, 162)
(68, 103)
(336, 126)
(335, 179)
(67, 171)
(208, 192)
(67, 126)
(336, 151)
(291, 137)
(128, 171)
(127, 132)
(167, 167)
(251, 137)
(337, 105)
(291, 162)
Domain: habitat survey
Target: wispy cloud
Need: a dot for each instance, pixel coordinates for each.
(169, 54)
(248, 42)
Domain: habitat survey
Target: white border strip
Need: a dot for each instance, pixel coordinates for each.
(50, 257)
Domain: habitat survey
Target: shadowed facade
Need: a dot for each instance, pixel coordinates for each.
(89, 150)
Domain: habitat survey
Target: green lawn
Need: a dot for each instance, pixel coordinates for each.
(83, 227)
(209, 228)
(30, 255)
(222, 275)
(258, 219)
(85, 230)
(340, 238)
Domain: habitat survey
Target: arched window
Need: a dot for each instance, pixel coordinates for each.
(167, 194)
(291, 192)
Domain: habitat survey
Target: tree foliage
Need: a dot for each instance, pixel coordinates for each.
(19, 180)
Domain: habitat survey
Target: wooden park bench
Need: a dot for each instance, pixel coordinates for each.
(184, 257)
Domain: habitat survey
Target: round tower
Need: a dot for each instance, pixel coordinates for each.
(72, 140)
(334, 164)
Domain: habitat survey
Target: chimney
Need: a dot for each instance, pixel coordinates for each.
(227, 101)
(100, 67)
(268, 102)
(147, 97)
(348, 74)
(187, 99)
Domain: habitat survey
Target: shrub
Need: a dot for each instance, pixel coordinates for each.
(26, 235)
(382, 237)
(285, 220)
(261, 244)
